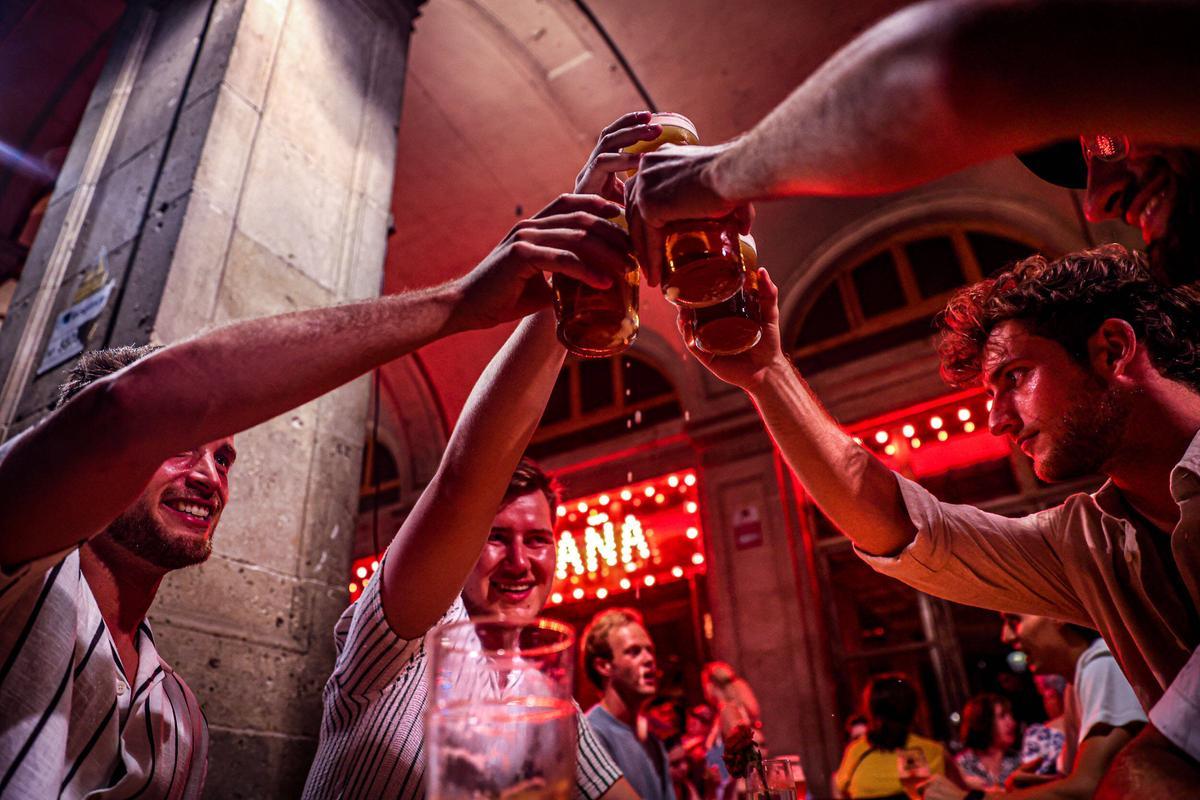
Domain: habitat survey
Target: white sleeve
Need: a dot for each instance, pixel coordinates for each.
(1177, 713)
(1105, 696)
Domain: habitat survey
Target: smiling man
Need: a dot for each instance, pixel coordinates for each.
(618, 656)
(128, 478)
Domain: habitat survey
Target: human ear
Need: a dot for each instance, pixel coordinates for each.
(1112, 347)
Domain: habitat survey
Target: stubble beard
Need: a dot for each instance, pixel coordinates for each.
(1091, 432)
(137, 531)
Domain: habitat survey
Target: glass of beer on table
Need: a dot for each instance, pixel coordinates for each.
(594, 323)
(780, 785)
(731, 326)
(702, 263)
(500, 723)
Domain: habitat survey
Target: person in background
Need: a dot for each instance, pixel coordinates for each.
(869, 766)
(738, 723)
(663, 717)
(856, 726)
(681, 773)
(988, 734)
(1101, 714)
(697, 727)
(1042, 742)
(618, 657)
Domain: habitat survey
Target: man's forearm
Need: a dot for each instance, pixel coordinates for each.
(941, 85)
(440, 541)
(104, 445)
(849, 484)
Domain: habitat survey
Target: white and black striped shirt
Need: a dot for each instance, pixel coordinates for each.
(372, 729)
(70, 725)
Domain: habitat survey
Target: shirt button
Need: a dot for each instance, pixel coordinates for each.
(121, 687)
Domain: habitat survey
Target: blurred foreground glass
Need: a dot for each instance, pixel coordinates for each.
(594, 323)
(779, 782)
(731, 326)
(912, 769)
(702, 264)
(798, 779)
(500, 722)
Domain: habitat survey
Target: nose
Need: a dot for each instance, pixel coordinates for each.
(1002, 419)
(1007, 634)
(1107, 184)
(516, 558)
(204, 472)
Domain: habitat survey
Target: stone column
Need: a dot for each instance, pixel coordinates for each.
(237, 161)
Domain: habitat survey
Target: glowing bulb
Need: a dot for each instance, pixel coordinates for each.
(697, 558)
(689, 479)
(625, 584)
(677, 572)
(691, 506)
(556, 598)
(561, 511)
(881, 436)
(908, 431)
(603, 499)
(626, 495)
(577, 593)
(649, 491)
(692, 533)
(964, 414)
(890, 449)
(601, 593)
(374, 566)
(943, 436)
(648, 580)
(353, 588)
(361, 572)
(660, 498)
(915, 443)
(936, 423)
(581, 507)
(969, 427)
(673, 481)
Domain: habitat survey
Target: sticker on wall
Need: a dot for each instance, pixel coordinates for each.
(73, 327)
(747, 528)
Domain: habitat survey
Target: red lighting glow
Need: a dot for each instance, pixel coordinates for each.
(614, 543)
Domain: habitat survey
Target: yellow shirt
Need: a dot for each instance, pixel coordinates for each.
(867, 772)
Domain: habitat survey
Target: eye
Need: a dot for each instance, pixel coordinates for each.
(1015, 375)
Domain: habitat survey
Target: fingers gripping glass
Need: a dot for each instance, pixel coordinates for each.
(1104, 147)
(913, 769)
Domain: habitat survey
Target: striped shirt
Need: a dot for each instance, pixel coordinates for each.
(70, 725)
(372, 729)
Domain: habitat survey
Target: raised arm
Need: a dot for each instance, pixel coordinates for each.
(936, 87)
(850, 485)
(66, 479)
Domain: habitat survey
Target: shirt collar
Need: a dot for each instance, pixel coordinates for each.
(1185, 483)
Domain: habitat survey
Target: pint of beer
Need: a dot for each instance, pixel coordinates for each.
(594, 323)
(702, 265)
(734, 325)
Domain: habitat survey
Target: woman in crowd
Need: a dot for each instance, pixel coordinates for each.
(870, 766)
(1045, 740)
(738, 717)
(988, 734)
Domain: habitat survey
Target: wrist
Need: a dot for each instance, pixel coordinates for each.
(451, 297)
(718, 173)
(770, 377)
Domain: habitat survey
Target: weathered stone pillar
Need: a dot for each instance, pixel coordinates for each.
(236, 160)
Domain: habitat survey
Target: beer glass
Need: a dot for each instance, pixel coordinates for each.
(702, 262)
(912, 769)
(779, 782)
(500, 722)
(734, 325)
(594, 323)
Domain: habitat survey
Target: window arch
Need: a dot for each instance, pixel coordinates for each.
(597, 399)
(888, 291)
(380, 477)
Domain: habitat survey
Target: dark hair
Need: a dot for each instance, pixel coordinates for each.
(528, 477)
(979, 720)
(595, 639)
(1066, 300)
(96, 364)
(890, 704)
(1089, 635)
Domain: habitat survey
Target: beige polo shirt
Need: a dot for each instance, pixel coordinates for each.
(1090, 561)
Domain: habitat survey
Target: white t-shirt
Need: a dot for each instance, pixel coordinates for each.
(1177, 714)
(1099, 695)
